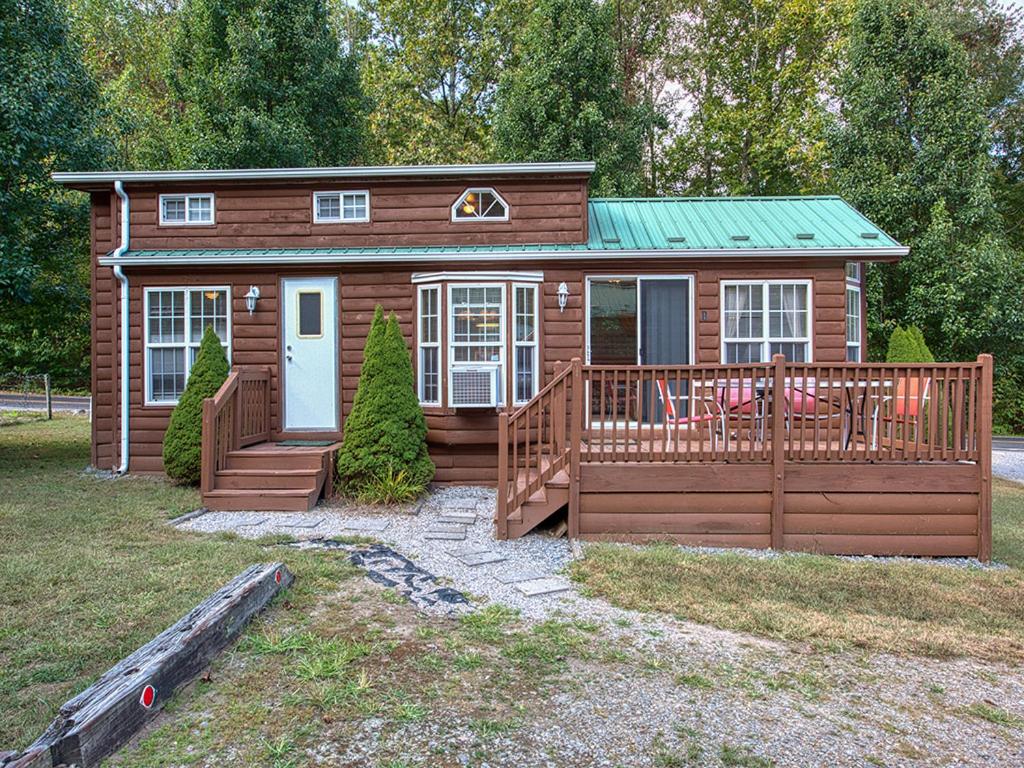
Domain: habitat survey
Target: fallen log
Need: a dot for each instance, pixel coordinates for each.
(105, 715)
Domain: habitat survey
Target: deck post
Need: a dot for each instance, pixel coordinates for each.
(208, 448)
(501, 520)
(985, 460)
(575, 439)
(778, 432)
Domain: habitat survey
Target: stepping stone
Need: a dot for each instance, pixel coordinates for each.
(247, 520)
(367, 524)
(461, 518)
(446, 532)
(479, 558)
(513, 578)
(302, 523)
(544, 586)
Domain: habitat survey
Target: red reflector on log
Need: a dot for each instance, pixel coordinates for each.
(277, 576)
(148, 696)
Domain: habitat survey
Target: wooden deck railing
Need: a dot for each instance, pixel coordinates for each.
(237, 416)
(536, 442)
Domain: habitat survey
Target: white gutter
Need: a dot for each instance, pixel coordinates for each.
(376, 171)
(211, 257)
(125, 352)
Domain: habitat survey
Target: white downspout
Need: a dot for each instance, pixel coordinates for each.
(125, 352)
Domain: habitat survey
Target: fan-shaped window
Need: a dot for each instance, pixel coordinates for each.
(480, 205)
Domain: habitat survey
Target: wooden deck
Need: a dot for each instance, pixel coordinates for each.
(849, 469)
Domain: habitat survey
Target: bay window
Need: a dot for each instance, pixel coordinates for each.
(477, 342)
(176, 319)
(765, 318)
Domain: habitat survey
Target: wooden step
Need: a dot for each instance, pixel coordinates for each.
(257, 479)
(265, 500)
(270, 460)
(534, 512)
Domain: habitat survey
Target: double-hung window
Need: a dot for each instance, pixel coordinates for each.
(175, 321)
(765, 318)
(471, 336)
(186, 210)
(429, 344)
(853, 312)
(334, 207)
(524, 342)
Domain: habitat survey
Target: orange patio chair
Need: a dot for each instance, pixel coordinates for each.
(907, 404)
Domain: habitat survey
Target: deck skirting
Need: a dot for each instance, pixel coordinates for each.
(835, 508)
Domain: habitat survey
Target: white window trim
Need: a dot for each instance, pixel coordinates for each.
(534, 345)
(188, 343)
(186, 222)
(855, 284)
(501, 344)
(420, 344)
(474, 219)
(766, 340)
(317, 219)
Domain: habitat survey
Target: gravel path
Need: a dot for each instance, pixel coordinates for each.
(695, 692)
(1008, 464)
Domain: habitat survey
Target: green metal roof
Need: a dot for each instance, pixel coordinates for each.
(730, 223)
(633, 226)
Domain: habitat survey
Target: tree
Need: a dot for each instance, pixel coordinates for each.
(431, 68)
(911, 151)
(50, 114)
(385, 433)
(563, 99)
(183, 440)
(907, 345)
(263, 83)
(756, 73)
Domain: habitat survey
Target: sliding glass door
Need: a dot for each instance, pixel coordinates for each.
(638, 321)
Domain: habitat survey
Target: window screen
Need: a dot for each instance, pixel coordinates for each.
(310, 313)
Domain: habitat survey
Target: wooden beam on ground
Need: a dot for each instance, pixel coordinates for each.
(104, 716)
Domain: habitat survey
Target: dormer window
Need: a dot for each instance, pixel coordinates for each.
(480, 205)
(186, 209)
(351, 206)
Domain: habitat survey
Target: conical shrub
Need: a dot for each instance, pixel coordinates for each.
(385, 440)
(183, 440)
(907, 345)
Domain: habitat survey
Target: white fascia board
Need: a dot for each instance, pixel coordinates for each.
(286, 257)
(478, 276)
(367, 171)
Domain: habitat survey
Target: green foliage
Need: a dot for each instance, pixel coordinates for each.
(50, 109)
(385, 441)
(756, 74)
(563, 99)
(391, 487)
(911, 151)
(431, 68)
(263, 83)
(907, 345)
(184, 437)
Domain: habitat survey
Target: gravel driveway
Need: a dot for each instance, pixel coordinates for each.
(1008, 458)
(697, 695)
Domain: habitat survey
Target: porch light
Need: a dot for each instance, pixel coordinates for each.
(250, 298)
(563, 296)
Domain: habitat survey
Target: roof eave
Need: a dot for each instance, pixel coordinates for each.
(87, 178)
(341, 257)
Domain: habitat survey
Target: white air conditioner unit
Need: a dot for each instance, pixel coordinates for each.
(475, 386)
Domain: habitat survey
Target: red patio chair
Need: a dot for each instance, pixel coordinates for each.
(713, 413)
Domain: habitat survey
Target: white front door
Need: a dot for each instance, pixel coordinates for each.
(310, 337)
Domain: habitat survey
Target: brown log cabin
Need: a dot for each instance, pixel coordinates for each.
(685, 369)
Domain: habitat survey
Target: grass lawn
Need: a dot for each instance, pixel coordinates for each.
(91, 571)
(900, 607)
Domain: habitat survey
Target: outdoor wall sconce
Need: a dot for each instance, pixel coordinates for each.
(250, 298)
(563, 296)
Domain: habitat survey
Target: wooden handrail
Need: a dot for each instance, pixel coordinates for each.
(236, 416)
(534, 444)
